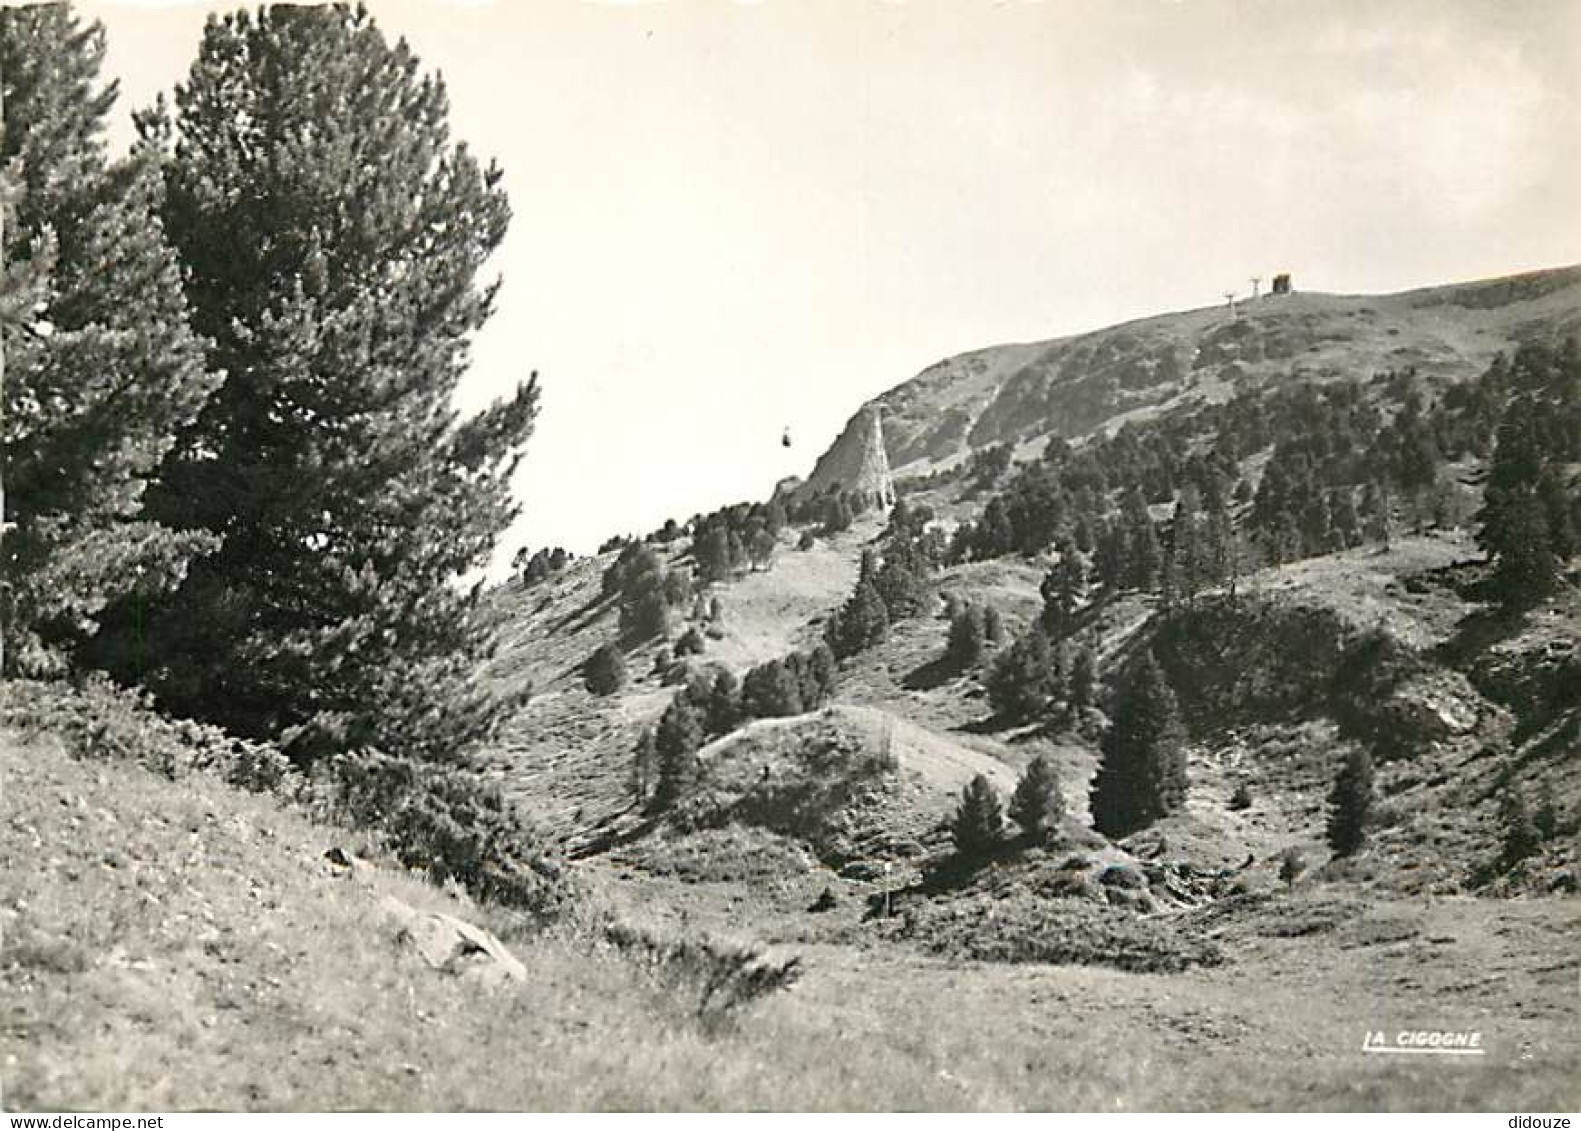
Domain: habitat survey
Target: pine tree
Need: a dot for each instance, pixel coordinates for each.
(1144, 556)
(1063, 589)
(102, 366)
(1516, 528)
(676, 742)
(606, 670)
(824, 674)
(1350, 803)
(1023, 680)
(722, 712)
(1188, 558)
(860, 623)
(968, 634)
(1142, 774)
(1083, 680)
(1037, 803)
(333, 236)
(770, 691)
(978, 826)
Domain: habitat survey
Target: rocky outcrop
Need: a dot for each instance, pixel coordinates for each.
(452, 945)
(858, 462)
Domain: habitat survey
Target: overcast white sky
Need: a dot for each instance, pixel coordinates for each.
(731, 219)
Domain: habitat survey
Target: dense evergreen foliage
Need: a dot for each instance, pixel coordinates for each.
(730, 541)
(1037, 804)
(1350, 803)
(713, 703)
(1142, 775)
(540, 565)
(605, 671)
(1531, 515)
(1025, 679)
(332, 236)
(102, 365)
(978, 824)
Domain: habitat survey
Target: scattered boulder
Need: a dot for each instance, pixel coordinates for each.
(1436, 706)
(453, 945)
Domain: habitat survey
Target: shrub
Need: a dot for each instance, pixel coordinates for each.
(978, 826)
(718, 979)
(1291, 865)
(451, 824)
(690, 643)
(99, 720)
(605, 672)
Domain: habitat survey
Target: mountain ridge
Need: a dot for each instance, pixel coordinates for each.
(1072, 384)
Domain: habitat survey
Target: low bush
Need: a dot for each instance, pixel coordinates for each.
(447, 822)
(716, 979)
(444, 820)
(96, 719)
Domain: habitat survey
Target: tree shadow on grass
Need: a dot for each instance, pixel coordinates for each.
(934, 674)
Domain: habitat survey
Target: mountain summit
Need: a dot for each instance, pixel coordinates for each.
(1072, 385)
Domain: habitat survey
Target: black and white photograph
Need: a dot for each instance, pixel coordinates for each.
(870, 556)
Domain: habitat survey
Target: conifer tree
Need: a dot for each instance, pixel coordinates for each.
(968, 634)
(1350, 803)
(1144, 556)
(1083, 679)
(770, 691)
(1516, 529)
(676, 742)
(1063, 589)
(101, 364)
(860, 623)
(1187, 552)
(333, 235)
(606, 670)
(723, 706)
(1037, 803)
(978, 825)
(1142, 775)
(1023, 680)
